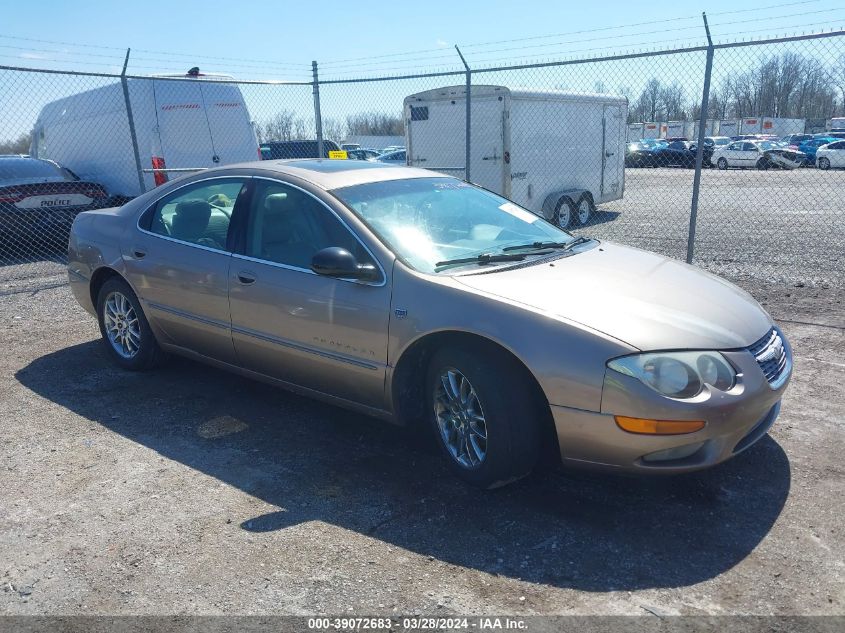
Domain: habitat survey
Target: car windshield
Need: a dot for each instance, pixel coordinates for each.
(430, 220)
(23, 170)
(765, 145)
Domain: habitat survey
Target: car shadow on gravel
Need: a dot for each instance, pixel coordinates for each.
(315, 462)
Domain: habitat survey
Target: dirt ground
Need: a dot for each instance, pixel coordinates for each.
(188, 490)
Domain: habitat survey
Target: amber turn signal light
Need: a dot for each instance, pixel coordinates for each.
(658, 427)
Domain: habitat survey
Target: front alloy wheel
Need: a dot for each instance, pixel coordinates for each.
(460, 418)
(722, 163)
(824, 163)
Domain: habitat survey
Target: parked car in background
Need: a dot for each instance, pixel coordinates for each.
(639, 154)
(425, 300)
(397, 157)
(349, 146)
(282, 150)
(362, 154)
(189, 121)
(831, 155)
(391, 148)
(672, 139)
(716, 141)
(795, 139)
(675, 154)
(810, 147)
(832, 134)
(757, 154)
(39, 200)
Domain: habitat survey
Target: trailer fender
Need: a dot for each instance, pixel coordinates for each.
(550, 204)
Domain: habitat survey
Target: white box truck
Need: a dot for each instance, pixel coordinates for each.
(555, 153)
(188, 121)
(837, 124)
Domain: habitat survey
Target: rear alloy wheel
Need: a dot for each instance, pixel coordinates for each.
(564, 213)
(125, 330)
(584, 210)
(824, 163)
(483, 415)
(722, 163)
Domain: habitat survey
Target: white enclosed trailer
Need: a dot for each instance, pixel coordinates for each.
(683, 129)
(729, 127)
(837, 124)
(556, 153)
(635, 131)
(192, 122)
(752, 125)
(782, 127)
(651, 130)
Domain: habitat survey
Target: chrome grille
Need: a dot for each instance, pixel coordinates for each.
(772, 357)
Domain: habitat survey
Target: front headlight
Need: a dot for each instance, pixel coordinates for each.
(678, 374)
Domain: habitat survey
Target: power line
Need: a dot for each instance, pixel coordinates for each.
(605, 38)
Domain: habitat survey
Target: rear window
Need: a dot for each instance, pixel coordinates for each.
(28, 170)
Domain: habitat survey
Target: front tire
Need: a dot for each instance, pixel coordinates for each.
(483, 415)
(127, 336)
(824, 163)
(722, 164)
(565, 213)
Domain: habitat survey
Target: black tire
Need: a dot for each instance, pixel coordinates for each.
(510, 411)
(722, 164)
(763, 164)
(824, 163)
(578, 220)
(148, 353)
(565, 213)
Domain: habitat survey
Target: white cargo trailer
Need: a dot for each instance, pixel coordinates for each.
(753, 125)
(635, 132)
(194, 121)
(711, 128)
(651, 130)
(679, 129)
(837, 124)
(729, 127)
(556, 153)
(782, 127)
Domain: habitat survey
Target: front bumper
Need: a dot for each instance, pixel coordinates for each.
(735, 420)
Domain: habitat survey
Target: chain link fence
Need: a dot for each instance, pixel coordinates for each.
(626, 147)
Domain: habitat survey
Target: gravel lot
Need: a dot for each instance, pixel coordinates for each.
(192, 491)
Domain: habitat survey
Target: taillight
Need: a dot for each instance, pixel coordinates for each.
(159, 177)
(11, 197)
(260, 157)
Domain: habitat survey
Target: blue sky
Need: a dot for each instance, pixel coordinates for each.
(260, 39)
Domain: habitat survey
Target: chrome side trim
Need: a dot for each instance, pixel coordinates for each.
(188, 315)
(306, 348)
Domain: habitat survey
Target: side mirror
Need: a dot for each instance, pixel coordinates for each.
(335, 261)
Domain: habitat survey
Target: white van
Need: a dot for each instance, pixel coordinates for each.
(190, 121)
(556, 153)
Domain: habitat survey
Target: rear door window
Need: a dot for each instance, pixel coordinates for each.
(199, 214)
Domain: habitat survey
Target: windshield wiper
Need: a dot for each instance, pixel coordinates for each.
(484, 258)
(535, 246)
(546, 245)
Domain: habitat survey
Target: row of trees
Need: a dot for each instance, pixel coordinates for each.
(789, 85)
(287, 125)
(18, 145)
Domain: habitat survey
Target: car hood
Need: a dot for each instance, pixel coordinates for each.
(646, 300)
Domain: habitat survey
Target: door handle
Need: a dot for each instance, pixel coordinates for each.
(246, 277)
(609, 154)
(139, 253)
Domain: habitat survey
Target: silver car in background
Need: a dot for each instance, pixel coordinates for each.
(424, 300)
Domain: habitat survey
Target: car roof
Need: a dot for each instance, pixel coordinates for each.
(332, 174)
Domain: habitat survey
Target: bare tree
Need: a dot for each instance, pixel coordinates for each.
(18, 145)
(334, 129)
(374, 124)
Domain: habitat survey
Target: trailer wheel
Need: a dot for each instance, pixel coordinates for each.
(565, 213)
(584, 211)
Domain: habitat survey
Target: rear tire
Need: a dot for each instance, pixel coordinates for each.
(824, 163)
(127, 336)
(583, 211)
(483, 415)
(565, 213)
(722, 163)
